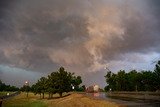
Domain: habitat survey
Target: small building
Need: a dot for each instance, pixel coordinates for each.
(92, 89)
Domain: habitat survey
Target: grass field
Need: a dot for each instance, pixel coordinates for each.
(22, 101)
(73, 100)
(78, 100)
(5, 93)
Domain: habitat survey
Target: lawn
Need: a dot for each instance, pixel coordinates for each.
(72, 100)
(22, 101)
(79, 100)
(5, 93)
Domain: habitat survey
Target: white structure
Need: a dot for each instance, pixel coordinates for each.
(96, 88)
(92, 89)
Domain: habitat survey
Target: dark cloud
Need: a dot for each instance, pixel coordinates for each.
(29, 42)
(139, 35)
(4, 4)
(155, 5)
(84, 36)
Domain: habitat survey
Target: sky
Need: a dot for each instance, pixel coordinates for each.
(84, 36)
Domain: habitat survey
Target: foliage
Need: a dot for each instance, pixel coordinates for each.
(133, 80)
(25, 88)
(4, 87)
(62, 81)
(157, 75)
(76, 81)
(57, 82)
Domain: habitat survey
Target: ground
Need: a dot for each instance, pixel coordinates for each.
(72, 100)
(4, 93)
(78, 100)
(22, 101)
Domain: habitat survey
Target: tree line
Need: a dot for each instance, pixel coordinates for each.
(4, 87)
(57, 82)
(134, 80)
(63, 81)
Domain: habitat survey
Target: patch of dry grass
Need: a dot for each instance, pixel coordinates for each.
(21, 100)
(72, 100)
(78, 100)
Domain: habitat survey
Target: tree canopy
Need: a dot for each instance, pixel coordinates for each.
(134, 80)
(4, 87)
(57, 82)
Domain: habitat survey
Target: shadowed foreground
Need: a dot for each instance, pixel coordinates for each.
(73, 100)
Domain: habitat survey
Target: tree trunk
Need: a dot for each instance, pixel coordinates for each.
(60, 94)
(40, 95)
(51, 95)
(43, 95)
(1, 102)
(48, 95)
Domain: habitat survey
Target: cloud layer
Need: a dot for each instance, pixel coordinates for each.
(82, 35)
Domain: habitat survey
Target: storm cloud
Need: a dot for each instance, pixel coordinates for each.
(84, 36)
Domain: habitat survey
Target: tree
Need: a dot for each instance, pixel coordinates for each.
(40, 87)
(111, 81)
(121, 80)
(132, 79)
(157, 75)
(84, 87)
(61, 81)
(51, 84)
(148, 80)
(57, 82)
(4, 87)
(36, 89)
(43, 85)
(76, 81)
(0, 82)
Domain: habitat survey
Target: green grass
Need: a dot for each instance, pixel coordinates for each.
(26, 104)
(22, 101)
(3, 93)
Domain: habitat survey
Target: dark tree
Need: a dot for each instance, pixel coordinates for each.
(4, 87)
(36, 89)
(76, 81)
(157, 75)
(57, 82)
(134, 80)
(61, 81)
(42, 85)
